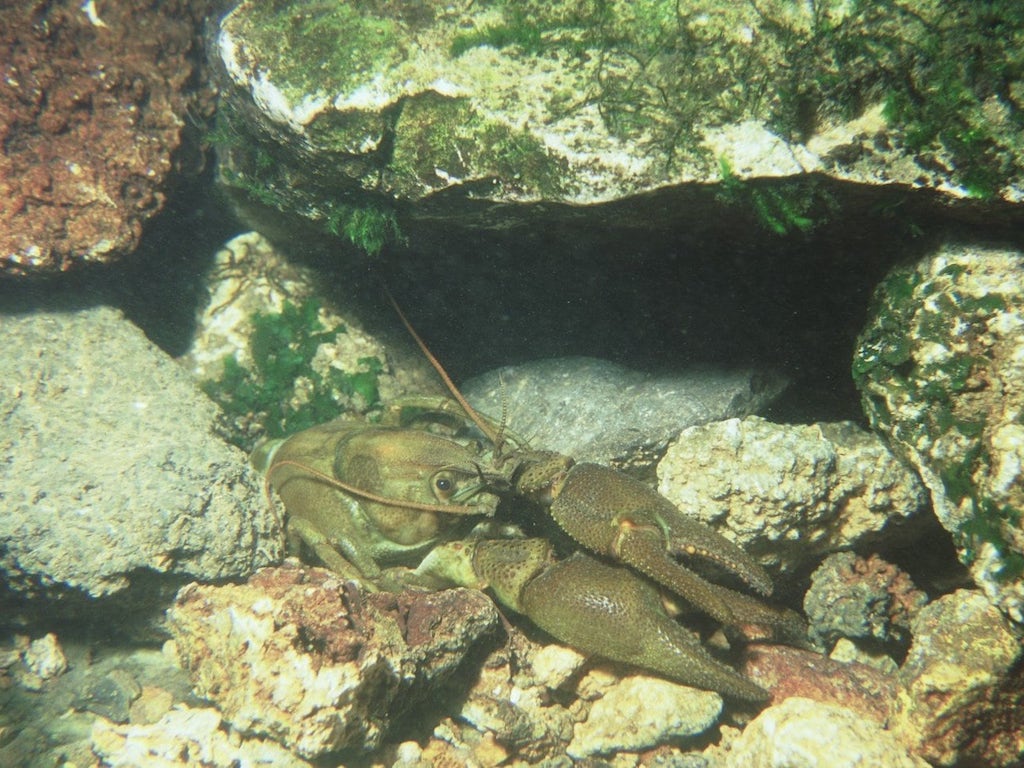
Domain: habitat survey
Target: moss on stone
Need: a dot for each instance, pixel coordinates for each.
(319, 46)
(436, 135)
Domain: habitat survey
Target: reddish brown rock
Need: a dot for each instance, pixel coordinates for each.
(312, 662)
(789, 672)
(93, 101)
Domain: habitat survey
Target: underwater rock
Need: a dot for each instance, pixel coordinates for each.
(298, 656)
(93, 109)
(514, 702)
(183, 738)
(51, 724)
(641, 712)
(787, 671)
(114, 487)
(963, 697)
(248, 275)
(940, 367)
(40, 660)
(458, 110)
(788, 494)
(800, 733)
(596, 410)
(865, 599)
(261, 304)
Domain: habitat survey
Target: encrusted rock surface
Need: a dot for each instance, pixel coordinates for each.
(940, 365)
(595, 410)
(963, 684)
(301, 657)
(864, 599)
(786, 493)
(251, 280)
(110, 474)
(800, 733)
(53, 691)
(93, 105)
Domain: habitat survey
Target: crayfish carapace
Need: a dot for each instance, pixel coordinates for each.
(363, 497)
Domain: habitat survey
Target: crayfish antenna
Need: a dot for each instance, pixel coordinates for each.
(497, 438)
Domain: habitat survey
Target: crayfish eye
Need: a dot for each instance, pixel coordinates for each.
(444, 486)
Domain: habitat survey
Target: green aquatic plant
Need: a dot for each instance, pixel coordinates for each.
(519, 29)
(781, 209)
(369, 228)
(265, 399)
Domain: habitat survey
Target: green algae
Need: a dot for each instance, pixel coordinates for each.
(319, 46)
(262, 399)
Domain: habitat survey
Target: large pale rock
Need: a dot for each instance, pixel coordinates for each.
(113, 483)
(940, 367)
(473, 105)
(595, 410)
(800, 733)
(298, 656)
(788, 494)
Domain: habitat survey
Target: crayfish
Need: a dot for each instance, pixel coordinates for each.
(368, 500)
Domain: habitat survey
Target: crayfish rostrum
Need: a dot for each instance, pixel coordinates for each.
(388, 504)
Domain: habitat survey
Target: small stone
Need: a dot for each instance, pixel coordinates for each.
(863, 599)
(110, 696)
(554, 664)
(43, 660)
(642, 712)
(152, 704)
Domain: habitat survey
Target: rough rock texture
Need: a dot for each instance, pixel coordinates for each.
(182, 738)
(641, 712)
(800, 733)
(864, 599)
(963, 685)
(93, 104)
(567, 103)
(524, 699)
(110, 474)
(298, 656)
(940, 365)
(595, 410)
(788, 494)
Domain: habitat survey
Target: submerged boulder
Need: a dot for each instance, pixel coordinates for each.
(940, 367)
(354, 115)
(114, 485)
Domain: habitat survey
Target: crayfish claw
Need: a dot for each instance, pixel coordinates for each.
(609, 612)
